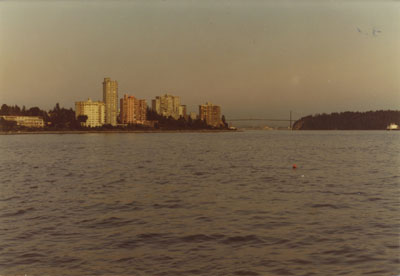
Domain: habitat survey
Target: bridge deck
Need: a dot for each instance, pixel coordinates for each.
(255, 119)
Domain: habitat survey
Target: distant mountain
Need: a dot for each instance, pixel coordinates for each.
(371, 120)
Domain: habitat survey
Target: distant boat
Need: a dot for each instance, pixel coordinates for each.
(392, 126)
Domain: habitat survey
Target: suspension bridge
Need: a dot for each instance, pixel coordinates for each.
(290, 120)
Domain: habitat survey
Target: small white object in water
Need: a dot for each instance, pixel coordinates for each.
(302, 175)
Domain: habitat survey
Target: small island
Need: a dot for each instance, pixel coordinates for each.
(371, 120)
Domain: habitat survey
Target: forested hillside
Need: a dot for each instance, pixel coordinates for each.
(373, 120)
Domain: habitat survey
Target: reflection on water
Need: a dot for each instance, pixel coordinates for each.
(200, 204)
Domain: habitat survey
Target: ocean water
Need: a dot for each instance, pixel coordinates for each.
(201, 203)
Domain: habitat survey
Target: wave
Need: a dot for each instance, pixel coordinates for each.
(243, 239)
(10, 198)
(328, 206)
(17, 213)
(110, 222)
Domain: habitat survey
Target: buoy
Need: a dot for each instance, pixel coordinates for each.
(294, 166)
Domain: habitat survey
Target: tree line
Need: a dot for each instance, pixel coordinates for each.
(170, 123)
(60, 118)
(371, 120)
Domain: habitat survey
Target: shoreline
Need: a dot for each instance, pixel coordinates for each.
(168, 131)
(114, 131)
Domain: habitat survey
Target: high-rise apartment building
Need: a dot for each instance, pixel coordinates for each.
(141, 110)
(182, 111)
(95, 112)
(133, 111)
(167, 105)
(211, 114)
(193, 115)
(110, 98)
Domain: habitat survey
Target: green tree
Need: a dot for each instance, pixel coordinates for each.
(82, 119)
(6, 125)
(224, 121)
(5, 110)
(62, 118)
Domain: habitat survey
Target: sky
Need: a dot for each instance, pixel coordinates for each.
(256, 59)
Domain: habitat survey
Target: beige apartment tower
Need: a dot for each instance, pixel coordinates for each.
(211, 114)
(183, 111)
(167, 105)
(110, 99)
(95, 112)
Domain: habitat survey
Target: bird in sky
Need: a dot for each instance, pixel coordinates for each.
(375, 32)
(361, 32)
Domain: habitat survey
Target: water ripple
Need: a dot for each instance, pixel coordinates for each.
(200, 204)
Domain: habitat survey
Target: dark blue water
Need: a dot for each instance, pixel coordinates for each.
(200, 203)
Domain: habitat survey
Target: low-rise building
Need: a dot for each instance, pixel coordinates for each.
(26, 121)
(392, 126)
(211, 114)
(95, 112)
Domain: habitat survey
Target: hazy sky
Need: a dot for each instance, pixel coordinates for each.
(254, 58)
